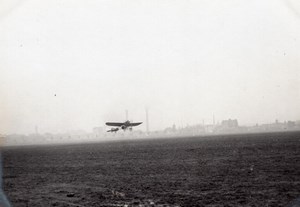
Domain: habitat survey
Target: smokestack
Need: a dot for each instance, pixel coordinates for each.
(126, 114)
(213, 119)
(147, 121)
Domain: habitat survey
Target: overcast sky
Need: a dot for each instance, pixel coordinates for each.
(70, 64)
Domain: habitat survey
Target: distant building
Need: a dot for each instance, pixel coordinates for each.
(190, 130)
(291, 124)
(230, 123)
(210, 128)
(174, 127)
(170, 130)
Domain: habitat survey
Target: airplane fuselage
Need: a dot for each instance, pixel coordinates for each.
(123, 125)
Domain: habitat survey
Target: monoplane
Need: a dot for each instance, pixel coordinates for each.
(122, 125)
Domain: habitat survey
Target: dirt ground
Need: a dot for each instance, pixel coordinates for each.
(230, 170)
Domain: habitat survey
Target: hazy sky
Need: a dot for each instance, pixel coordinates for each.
(70, 64)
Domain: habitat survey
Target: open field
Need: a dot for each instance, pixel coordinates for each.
(230, 170)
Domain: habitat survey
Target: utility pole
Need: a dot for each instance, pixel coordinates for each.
(126, 114)
(147, 121)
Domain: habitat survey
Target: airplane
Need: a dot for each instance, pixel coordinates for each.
(113, 129)
(123, 125)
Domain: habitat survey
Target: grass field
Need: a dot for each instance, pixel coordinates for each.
(230, 170)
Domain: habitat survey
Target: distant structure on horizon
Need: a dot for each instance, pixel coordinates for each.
(228, 126)
(230, 123)
(126, 115)
(147, 121)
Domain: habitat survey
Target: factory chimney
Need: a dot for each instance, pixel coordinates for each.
(147, 121)
(126, 114)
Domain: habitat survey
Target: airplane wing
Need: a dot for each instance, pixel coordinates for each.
(135, 124)
(113, 130)
(118, 124)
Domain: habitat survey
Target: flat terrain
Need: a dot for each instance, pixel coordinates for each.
(230, 170)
